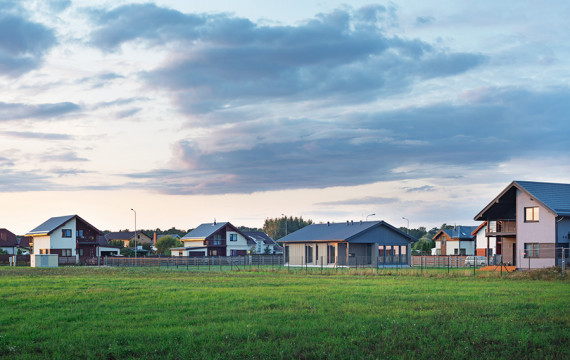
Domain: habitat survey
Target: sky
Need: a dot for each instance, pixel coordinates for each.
(189, 111)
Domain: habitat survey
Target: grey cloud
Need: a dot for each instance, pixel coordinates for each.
(63, 156)
(17, 111)
(37, 135)
(23, 43)
(425, 188)
(5, 162)
(368, 200)
(18, 181)
(424, 20)
(67, 172)
(343, 56)
(412, 143)
(128, 113)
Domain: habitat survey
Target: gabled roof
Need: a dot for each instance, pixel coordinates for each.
(474, 232)
(260, 236)
(120, 235)
(554, 196)
(338, 231)
(204, 230)
(459, 232)
(8, 238)
(53, 223)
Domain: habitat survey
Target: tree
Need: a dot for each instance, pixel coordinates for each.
(164, 244)
(127, 252)
(277, 227)
(116, 243)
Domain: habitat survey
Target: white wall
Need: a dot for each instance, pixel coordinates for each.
(240, 244)
(59, 242)
(481, 240)
(542, 231)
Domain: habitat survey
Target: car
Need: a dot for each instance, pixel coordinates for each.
(476, 260)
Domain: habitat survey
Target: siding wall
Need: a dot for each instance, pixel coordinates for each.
(542, 232)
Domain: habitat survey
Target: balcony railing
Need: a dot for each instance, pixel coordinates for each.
(215, 242)
(502, 227)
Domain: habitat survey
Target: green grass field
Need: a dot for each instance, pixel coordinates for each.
(111, 313)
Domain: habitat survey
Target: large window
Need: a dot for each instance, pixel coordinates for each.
(65, 252)
(531, 250)
(531, 214)
(66, 233)
(308, 254)
(233, 237)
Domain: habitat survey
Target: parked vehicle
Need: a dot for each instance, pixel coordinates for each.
(476, 260)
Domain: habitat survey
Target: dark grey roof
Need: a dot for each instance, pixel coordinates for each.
(260, 236)
(338, 231)
(460, 232)
(8, 238)
(554, 195)
(121, 235)
(51, 224)
(204, 230)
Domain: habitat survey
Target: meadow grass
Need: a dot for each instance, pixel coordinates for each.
(111, 313)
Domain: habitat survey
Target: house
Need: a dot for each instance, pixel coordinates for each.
(264, 244)
(127, 236)
(456, 241)
(69, 236)
(214, 239)
(369, 243)
(8, 242)
(531, 223)
(484, 248)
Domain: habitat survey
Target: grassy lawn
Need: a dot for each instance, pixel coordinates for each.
(108, 313)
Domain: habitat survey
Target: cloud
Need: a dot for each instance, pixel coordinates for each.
(5, 162)
(67, 172)
(368, 200)
(425, 188)
(23, 43)
(361, 148)
(36, 135)
(63, 156)
(222, 61)
(18, 111)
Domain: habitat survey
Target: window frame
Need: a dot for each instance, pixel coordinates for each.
(66, 233)
(233, 236)
(534, 214)
(531, 250)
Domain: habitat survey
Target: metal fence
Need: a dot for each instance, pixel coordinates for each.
(454, 261)
(206, 263)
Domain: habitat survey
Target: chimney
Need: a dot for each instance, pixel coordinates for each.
(360, 222)
(214, 222)
(351, 222)
(347, 222)
(328, 223)
(154, 239)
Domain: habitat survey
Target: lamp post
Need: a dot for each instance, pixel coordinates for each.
(285, 224)
(408, 227)
(369, 215)
(135, 235)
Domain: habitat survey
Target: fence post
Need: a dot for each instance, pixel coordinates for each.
(220, 263)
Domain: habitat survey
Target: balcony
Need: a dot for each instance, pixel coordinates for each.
(215, 242)
(502, 228)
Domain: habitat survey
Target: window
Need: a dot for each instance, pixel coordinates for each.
(66, 252)
(308, 254)
(531, 250)
(233, 237)
(531, 214)
(79, 233)
(287, 253)
(317, 253)
(66, 233)
(44, 251)
(80, 252)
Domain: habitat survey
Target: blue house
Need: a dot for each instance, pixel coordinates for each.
(368, 244)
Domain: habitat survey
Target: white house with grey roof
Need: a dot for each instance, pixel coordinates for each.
(214, 239)
(69, 236)
(530, 222)
(367, 244)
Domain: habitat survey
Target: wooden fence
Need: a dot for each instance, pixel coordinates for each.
(197, 262)
(23, 260)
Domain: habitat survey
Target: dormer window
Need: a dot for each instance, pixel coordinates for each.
(531, 214)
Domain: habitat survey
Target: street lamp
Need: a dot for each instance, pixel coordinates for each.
(285, 224)
(408, 227)
(369, 215)
(135, 235)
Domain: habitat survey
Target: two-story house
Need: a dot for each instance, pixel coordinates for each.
(531, 223)
(8, 242)
(456, 241)
(69, 236)
(214, 239)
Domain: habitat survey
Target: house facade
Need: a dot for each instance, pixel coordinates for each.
(456, 241)
(8, 242)
(485, 245)
(127, 236)
(69, 236)
(214, 239)
(531, 223)
(369, 244)
(264, 244)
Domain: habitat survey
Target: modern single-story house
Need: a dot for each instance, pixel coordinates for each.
(127, 236)
(264, 244)
(531, 224)
(69, 236)
(8, 242)
(214, 239)
(368, 243)
(456, 241)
